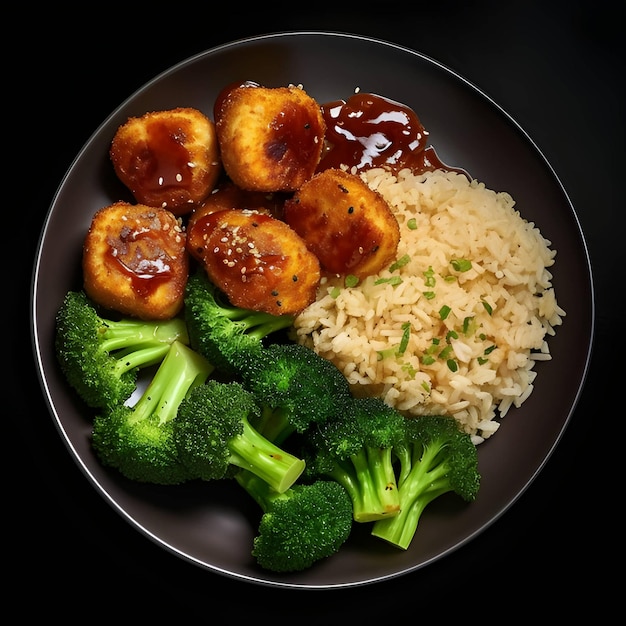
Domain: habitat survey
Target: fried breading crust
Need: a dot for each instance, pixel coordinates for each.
(168, 159)
(270, 139)
(258, 261)
(227, 195)
(135, 261)
(346, 224)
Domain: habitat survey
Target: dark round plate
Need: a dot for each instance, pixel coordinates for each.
(212, 525)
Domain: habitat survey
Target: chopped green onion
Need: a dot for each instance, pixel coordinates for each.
(412, 224)
(450, 278)
(392, 280)
(427, 359)
(444, 311)
(401, 262)
(410, 370)
(452, 365)
(481, 360)
(445, 352)
(406, 333)
(451, 334)
(334, 292)
(384, 354)
(461, 265)
(468, 325)
(429, 295)
(351, 280)
(489, 350)
(429, 277)
(426, 386)
(487, 307)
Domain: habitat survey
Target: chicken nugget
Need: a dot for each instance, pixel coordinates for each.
(227, 195)
(135, 261)
(258, 261)
(346, 224)
(270, 139)
(168, 159)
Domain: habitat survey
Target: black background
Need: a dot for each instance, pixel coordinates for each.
(556, 68)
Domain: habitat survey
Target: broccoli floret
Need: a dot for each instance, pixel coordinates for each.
(214, 435)
(225, 334)
(357, 451)
(100, 357)
(436, 457)
(300, 526)
(138, 440)
(295, 388)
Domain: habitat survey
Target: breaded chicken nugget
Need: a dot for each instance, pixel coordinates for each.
(168, 159)
(227, 195)
(256, 260)
(346, 224)
(135, 261)
(270, 139)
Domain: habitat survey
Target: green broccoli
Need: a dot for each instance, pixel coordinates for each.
(300, 526)
(100, 357)
(223, 333)
(214, 435)
(436, 457)
(138, 440)
(295, 388)
(357, 451)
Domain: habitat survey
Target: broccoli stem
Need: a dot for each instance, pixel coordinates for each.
(274, 424)
(253, 451)
(128, 333)
(418, 486)
(181, 370)
(127, 360)
(257, 324)
(260, 490)
(378, 496)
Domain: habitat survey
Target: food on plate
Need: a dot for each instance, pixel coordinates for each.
(215, 437)
(137, 438)
(258, 261)
(100, 357)
(435, 457)
(358, 450)
(270, 138)
(225, 334)
(306, 523)
(349, 227)
(168, 158)
(455, 325)
(227, 195)
(368, 130)
(297, 389)
(135, 261)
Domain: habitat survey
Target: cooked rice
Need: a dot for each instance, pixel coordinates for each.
(505, 299)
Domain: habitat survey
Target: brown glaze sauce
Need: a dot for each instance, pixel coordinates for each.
(164, 159)
(234, 244)
(138, 255)
(368, 130)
